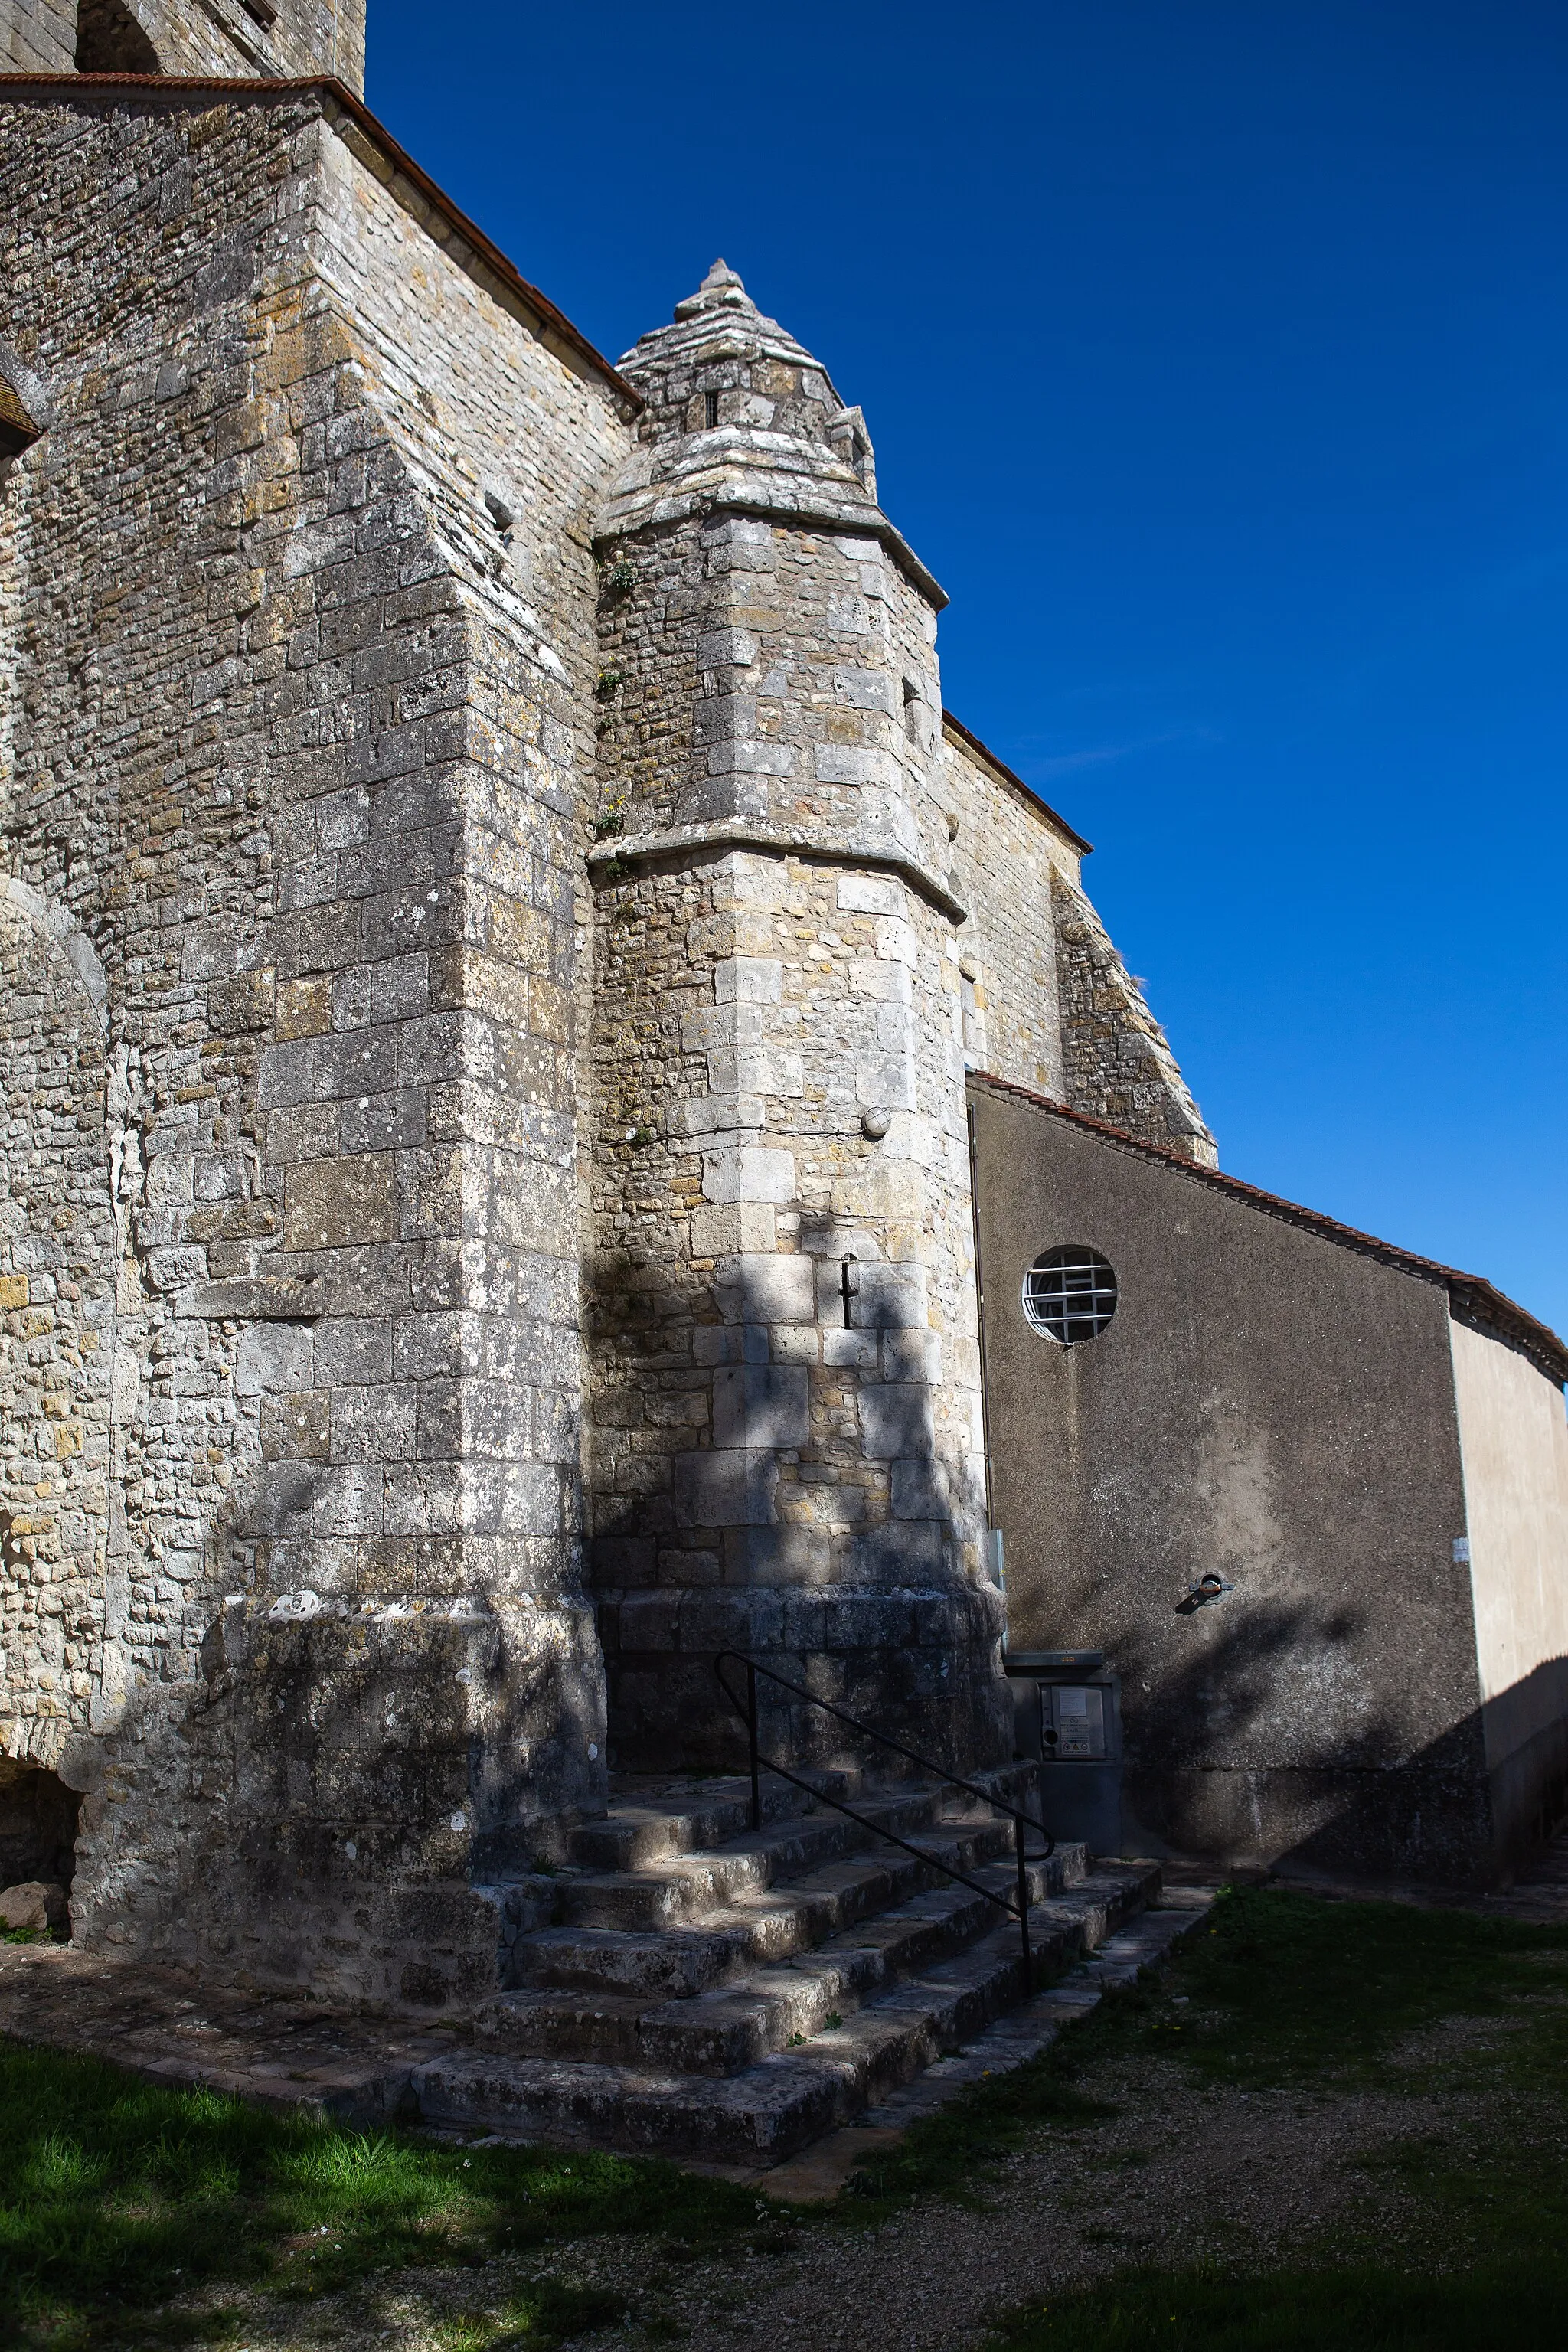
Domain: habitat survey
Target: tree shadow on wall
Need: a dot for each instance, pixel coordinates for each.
(1258, 1749)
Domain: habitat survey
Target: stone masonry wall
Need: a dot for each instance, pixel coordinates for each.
(779, 1084)
(1118, 1063)
(37, 36)
(57, 1248)
(299, 755)
(773, 1470)
(1004, 858)
(188, 36)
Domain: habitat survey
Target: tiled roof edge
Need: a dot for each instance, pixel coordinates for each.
(173, 84)
(1473, 1299)
(984, 751)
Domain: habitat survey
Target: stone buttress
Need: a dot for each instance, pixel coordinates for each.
(787, 1445)
(290, 757)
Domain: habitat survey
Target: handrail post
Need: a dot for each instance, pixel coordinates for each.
(752, 1734)
(1022, 1901)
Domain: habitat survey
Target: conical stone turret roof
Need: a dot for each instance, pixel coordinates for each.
(740, 416)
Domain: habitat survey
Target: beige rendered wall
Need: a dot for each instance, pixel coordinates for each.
(1273, 1406)
(1513, 1440)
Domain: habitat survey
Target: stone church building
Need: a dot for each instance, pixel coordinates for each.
(559, 1115)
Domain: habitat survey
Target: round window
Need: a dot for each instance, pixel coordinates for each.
(1070, 1294)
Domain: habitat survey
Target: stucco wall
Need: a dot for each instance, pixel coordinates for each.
(1273, 1407)
(1513, 1437)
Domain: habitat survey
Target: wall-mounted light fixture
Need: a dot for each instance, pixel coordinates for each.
(1210, 1588)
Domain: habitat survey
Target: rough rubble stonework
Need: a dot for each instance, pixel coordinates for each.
(491, 919)
(1117, 1063)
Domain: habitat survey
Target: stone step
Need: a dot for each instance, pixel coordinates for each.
(748, 2011)
(677, 1958)
(647, 1822)
(650, 1818)
(679, 1885)
(776, 2105)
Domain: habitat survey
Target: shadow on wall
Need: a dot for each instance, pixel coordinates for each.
(1235, 1759)
(781, 1488)
(110, 40)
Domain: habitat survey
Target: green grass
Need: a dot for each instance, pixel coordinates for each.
(117, 2195)
(1284, 1988)
(1276, 1991)
(1371, 2308)
(1284, 1992)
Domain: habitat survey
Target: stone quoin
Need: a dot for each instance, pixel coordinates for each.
(517, 1001)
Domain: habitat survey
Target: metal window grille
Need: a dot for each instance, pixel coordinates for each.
(1070, 1293)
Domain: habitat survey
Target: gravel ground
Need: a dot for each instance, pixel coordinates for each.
(1176, 2175)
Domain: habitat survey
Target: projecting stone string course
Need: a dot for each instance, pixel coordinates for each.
(502, 952)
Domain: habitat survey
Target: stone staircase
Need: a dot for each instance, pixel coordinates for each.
(710, 1991)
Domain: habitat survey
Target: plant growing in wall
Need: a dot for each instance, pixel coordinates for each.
(617, 578)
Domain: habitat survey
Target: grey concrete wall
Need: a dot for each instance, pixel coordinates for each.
(1513, 1438)
(1278, 1409)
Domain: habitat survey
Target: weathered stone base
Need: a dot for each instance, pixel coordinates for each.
(361, 1786)
(920, 1663)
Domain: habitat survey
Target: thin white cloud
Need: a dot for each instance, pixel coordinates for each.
(1106, 755)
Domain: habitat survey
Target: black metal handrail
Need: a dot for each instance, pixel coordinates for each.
(746, 1709)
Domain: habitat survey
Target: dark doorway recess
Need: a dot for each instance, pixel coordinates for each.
(38, 1824)
(110, 40)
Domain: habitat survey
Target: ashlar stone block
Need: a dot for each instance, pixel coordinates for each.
(275, 1356)
(760, 1405)
(737, 1226)
(748, 980)
(896, 1420)
(761, 1287)
(727, 1486)
(749, 1174)
(330, 1204)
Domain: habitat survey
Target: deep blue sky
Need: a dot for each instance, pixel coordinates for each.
(1215, 355)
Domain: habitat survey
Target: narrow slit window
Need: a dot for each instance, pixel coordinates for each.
(711, 404)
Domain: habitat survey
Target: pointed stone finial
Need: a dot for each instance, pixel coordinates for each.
(721, 287)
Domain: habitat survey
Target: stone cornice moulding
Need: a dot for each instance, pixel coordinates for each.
(646, 509)
(683, 841)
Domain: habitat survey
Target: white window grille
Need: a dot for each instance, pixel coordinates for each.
(1070, 1293)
